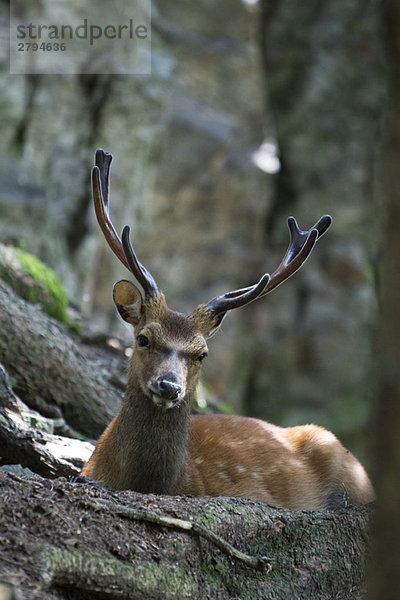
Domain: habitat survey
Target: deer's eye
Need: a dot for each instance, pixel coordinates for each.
(202, 356)
(143, 341)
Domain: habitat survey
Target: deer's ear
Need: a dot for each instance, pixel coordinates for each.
(208, 322)
(129, 301)
(215, 324)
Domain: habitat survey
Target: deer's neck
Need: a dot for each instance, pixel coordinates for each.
(153, 443)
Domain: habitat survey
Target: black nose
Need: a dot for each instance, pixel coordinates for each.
(168, 389)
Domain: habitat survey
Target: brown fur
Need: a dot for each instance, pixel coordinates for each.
(150, 448)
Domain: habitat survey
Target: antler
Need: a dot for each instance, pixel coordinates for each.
(122, 249)
(300, 247)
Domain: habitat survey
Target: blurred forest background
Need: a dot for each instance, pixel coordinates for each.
(254, 111)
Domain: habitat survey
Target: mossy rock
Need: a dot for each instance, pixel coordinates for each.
(34, 282)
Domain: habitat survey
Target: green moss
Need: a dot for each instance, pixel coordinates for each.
(150, 576)
(56, 305)
(95, 572)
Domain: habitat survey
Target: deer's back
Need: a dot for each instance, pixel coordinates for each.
(297, 467)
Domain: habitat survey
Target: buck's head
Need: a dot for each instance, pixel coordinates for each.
(171, 346)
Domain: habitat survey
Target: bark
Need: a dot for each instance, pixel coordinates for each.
(26, 439)
(86, 542)
(52, 372)
(112, 578)
(45, 454)
(385, 575)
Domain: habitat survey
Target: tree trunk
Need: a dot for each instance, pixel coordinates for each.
(26, 439)
(64, 540)
(52, 372)
(384, 573)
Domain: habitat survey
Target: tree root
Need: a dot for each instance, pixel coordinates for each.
(255, 562)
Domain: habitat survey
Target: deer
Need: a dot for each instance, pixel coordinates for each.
(156, 445)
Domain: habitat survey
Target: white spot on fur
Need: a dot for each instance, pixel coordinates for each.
(235, 443)
(325, 437)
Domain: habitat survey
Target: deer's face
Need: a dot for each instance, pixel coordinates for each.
(167, 359)
(169, 346)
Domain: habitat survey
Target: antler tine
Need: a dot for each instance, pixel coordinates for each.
(300, 247)
(103, 162)
(143, 276)
(237, 298)
(102, 214)
(123, 250)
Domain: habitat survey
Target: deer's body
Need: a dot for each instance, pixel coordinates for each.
(304, 467)
(154, 445)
